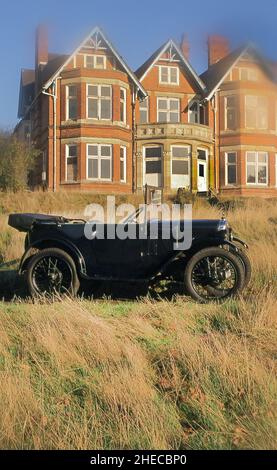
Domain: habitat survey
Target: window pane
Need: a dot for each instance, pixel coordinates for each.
(174, 117)
(122, 152)
(143, 116)
(105, 109)
(251, 156)
(92, 108)
(231, 118)
(105, 91)
(122, 171)
(72, 90)
(180, 152)
(231, 158)
(105, 151)
(72, 171)
(89, 61)
(92, 90)
(230, 101)
(99, 62)
(92, 168)
(180, 167)
(72, 151)
(122, 112)
(174, 104)
(162, 104)
(105, 168)
(122, 94)
(93, 150)
(250, 173)
(164, 74)
(262, 157)
(72, 108)
(174, 75)
(153, 152)
(231, 174)
(201, 154)
(153, 167)
(162, 117)
(262, 174)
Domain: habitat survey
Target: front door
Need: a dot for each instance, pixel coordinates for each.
(202, 171)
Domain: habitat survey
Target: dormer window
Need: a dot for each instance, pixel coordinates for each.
(95, 61)
(169, 75)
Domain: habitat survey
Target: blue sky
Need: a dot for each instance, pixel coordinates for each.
(136, 29)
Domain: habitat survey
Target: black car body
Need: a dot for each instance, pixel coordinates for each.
(138, 259)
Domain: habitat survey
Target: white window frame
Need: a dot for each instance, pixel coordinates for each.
(124, 160)
(95, 61)
(168, 111)
(168, 81)
(68, 97)
(256, 115)
(146, 108)
(275, 170)
(67, 147)
(99, 158)
(256, 163)
(99, 98)
(227, 164)
(253, 78)
(124, 101)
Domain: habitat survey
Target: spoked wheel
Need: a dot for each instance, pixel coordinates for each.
(52, 271)
(213, 274)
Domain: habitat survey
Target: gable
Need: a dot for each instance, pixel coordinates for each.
(97, 44)
(170, 55)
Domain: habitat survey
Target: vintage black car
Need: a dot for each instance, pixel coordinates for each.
(58, 256)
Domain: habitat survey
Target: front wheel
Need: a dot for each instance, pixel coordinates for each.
(52, 271)
(213, 274)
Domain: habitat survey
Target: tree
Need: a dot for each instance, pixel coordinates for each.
(17, 159)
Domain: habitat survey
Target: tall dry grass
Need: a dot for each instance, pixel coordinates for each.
(85, 374)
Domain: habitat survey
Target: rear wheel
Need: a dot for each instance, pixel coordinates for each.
(213, 274)
(52, 271)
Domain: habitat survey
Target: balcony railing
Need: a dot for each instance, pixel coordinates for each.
(174, 131)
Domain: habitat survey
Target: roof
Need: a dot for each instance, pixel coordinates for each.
(55, 73)
(144, 68)
(54, 63)
(216, 73)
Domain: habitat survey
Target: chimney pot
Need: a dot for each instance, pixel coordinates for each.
(218, 47)
(185, 46)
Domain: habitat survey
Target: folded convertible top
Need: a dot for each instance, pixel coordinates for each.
(24, 222)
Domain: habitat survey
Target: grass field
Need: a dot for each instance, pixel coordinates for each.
(145, 373)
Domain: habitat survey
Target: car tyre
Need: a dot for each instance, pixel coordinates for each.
(234, 260)
(60, 273)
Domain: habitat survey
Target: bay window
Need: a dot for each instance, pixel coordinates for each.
(257, 168)
(196, 113)
(99, 102)
(180, 166)
(168, 109)
(99, 162)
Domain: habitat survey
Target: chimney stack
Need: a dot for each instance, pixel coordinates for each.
(185, 46)
(218, 47)
(41, 46)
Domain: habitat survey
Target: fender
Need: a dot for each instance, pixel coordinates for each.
(67, 246)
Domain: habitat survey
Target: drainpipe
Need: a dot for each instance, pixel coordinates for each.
(215, 113)
(54, 96)
(134, 173)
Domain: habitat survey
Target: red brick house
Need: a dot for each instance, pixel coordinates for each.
(101, 127)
